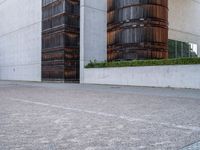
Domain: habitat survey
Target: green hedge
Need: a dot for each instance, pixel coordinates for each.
(134, 63)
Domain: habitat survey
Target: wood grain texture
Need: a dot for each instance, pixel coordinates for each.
(137, 29)
(60, 40)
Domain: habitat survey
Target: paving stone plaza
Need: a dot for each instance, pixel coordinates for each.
(47, 116)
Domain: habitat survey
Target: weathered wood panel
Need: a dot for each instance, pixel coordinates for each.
(137, 29)
(60, 40)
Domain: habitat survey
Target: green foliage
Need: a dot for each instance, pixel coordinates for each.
(134, 63)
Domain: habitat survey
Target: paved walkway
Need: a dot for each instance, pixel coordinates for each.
(44, 116)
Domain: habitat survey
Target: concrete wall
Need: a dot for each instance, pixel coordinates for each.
(20, 40)
(186, 76)
(184, 21)
(20, 34)
(93, 41)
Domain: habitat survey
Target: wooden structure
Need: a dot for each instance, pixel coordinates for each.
(137, 29)
(60, 40)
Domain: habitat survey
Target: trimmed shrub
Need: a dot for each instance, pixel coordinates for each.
(135, 63)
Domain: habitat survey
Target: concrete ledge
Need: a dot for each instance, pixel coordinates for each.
(179, 76)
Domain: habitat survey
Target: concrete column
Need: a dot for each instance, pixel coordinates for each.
(93, 32)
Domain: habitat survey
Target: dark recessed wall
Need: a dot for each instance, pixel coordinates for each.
(60, 40)
(137, 29)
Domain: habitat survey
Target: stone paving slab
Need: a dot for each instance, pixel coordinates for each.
(86, 117)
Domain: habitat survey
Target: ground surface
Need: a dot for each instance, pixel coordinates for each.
(44, 116)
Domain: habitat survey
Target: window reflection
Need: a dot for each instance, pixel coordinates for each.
(179, 49)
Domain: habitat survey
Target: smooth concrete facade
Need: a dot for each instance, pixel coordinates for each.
(20, 40)
(185, 76)
(184, 22)
(20, 34)
(93, 32)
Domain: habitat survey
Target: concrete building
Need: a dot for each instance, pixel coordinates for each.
(21, 34)
(20, 40)
(184, 21)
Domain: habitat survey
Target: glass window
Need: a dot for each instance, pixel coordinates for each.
(179, 49)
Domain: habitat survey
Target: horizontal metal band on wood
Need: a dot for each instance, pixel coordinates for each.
(137, 29)
(60, 40)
